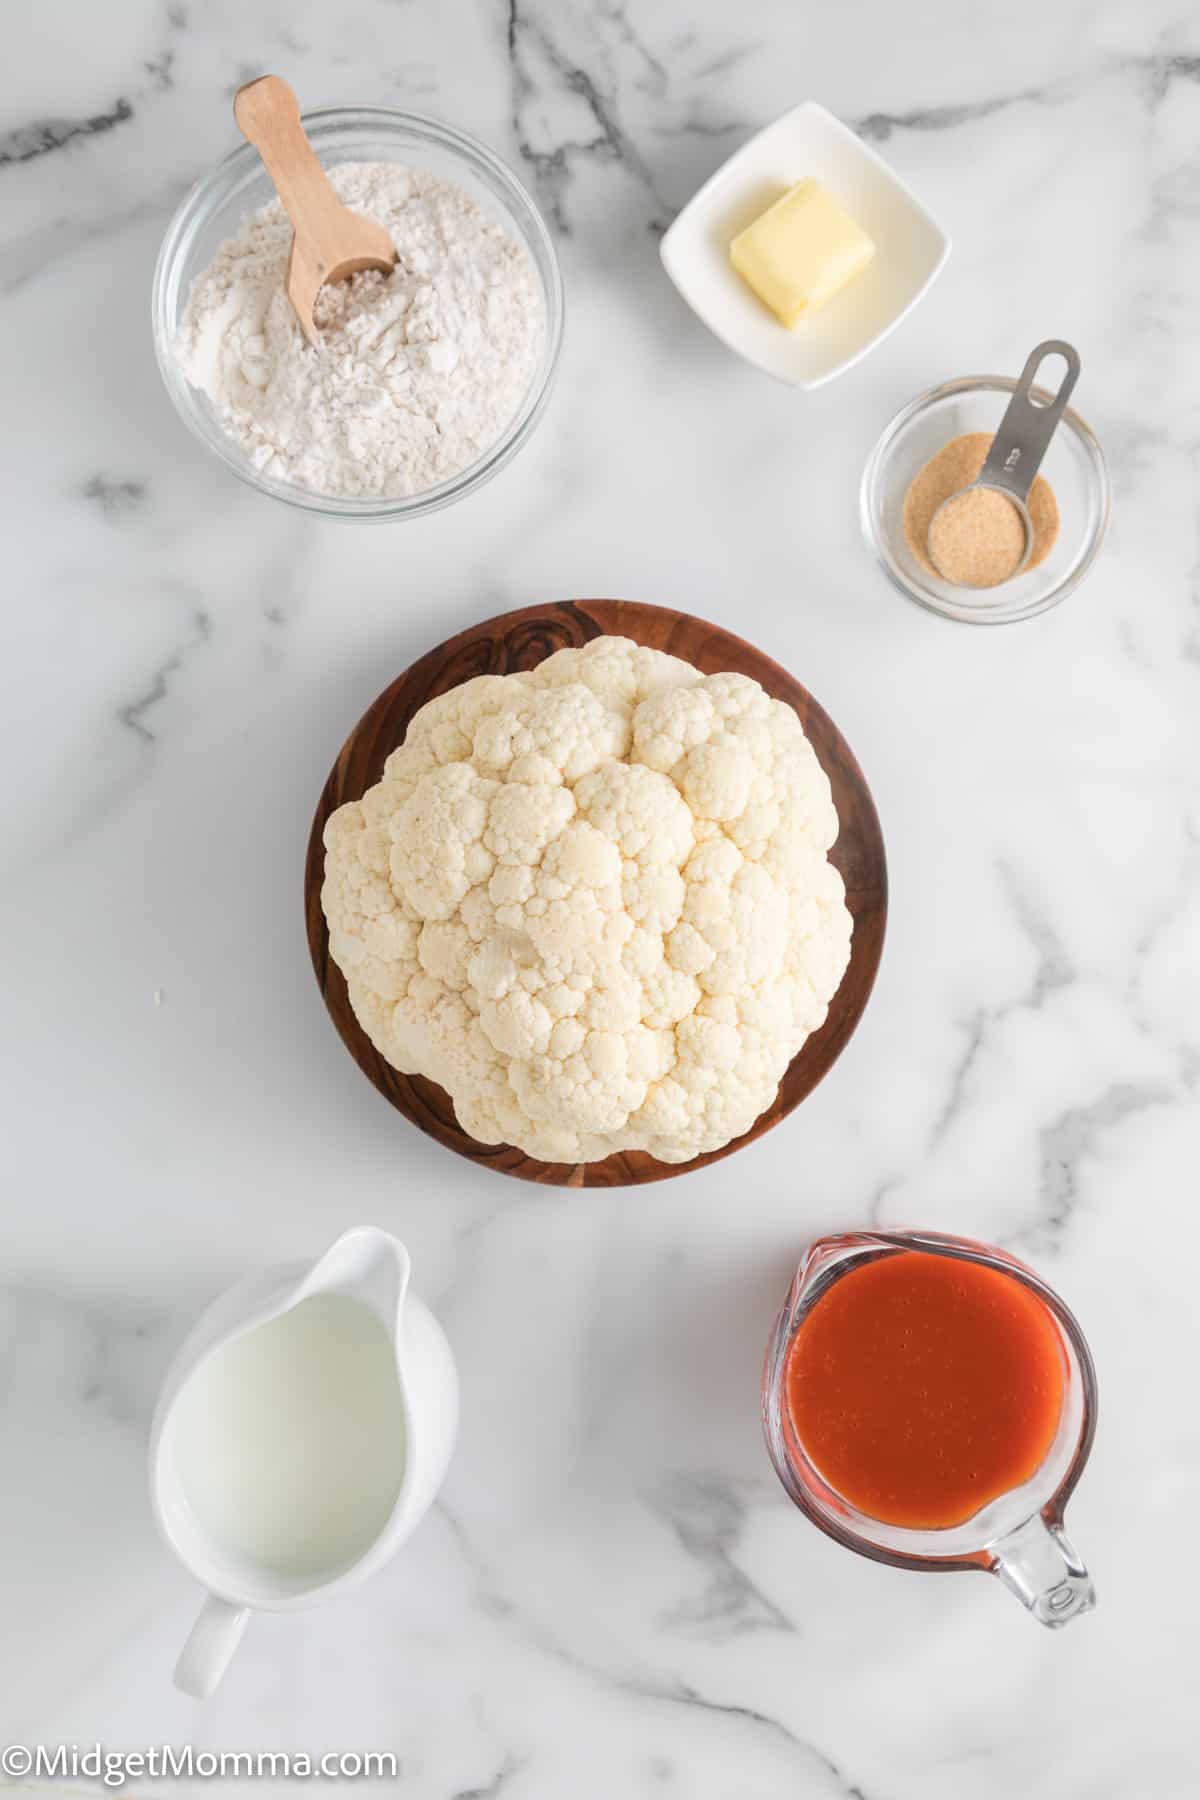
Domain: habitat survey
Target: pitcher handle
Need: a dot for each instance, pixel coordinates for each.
(210, 1646)
(1040, 1565)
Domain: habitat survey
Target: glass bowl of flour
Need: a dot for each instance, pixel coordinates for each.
(428, 380)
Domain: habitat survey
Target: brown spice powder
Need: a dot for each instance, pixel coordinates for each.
(980, 539)
(977, 539)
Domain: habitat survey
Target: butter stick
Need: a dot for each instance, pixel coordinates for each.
(801, 252)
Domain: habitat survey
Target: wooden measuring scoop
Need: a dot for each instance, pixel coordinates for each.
(330, 241)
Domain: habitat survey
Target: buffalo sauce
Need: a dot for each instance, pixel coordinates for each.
(923, 1386)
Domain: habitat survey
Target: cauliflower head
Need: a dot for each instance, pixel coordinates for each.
(593, 902)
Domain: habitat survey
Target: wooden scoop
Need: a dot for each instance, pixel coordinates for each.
(330, 241)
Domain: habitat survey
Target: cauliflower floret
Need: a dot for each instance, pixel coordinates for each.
(594, 903)
(438, 853)
(566, 728)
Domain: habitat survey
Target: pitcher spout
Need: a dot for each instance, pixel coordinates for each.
(367, 1264)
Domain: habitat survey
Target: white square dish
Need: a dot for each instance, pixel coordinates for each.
(910, 248)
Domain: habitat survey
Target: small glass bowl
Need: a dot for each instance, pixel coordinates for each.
(213, 211)
(1074, 467)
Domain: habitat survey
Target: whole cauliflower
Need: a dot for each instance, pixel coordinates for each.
(593, 903)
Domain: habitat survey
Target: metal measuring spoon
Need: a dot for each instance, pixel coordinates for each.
(1016, 454)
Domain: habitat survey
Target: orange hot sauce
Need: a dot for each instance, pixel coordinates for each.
(924, 1386)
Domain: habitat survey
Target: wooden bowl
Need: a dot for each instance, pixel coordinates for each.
(521, 640)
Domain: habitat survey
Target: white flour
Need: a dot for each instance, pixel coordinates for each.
(420, 370)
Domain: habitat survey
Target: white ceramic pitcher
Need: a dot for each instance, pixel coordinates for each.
(365, 1264)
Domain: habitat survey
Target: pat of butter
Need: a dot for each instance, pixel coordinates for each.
(800, 252)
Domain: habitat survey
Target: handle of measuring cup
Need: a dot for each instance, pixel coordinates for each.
(1040, 1565)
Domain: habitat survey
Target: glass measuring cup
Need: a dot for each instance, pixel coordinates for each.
(1019, 1535)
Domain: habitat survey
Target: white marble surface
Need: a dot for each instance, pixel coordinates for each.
(614, 1596)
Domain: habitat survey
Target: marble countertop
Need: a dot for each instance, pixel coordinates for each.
(613, 1595)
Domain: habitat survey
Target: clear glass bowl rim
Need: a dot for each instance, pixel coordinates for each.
(867, 1242)
(208, 193)
(877, 461)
